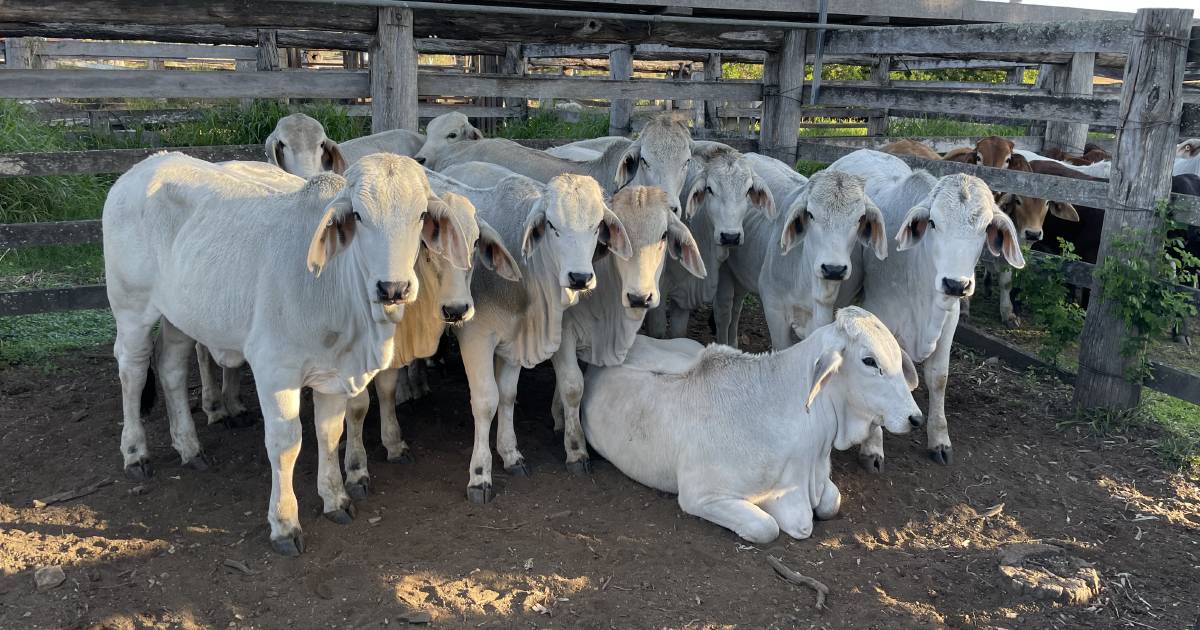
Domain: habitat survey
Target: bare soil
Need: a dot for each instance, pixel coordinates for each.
(914, 547)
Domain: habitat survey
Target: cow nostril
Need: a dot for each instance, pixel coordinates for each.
(916, 420)
(579, 280)
(731, 238)
(833, 272)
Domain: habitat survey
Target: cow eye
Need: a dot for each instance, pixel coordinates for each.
(870, 362)
(357, 216)
(664, 236)
(932, 225)
(452, 135)
(708, 190)
(808, 214)
(643, 161)
(551, 226)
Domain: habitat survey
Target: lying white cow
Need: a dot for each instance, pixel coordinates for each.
(307, 287)
(745, 439)
(941, 227)
(802, 263)
(557, 227)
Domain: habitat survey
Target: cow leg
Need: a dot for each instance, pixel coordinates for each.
(231, 390)
(569, 392)
(679, 321)
(735, 513)
(656, 321)
(174, 353)
(556, 410)
(830, 501)
(779, 325)
(870, 452)
(937, 371)
(723, 305)
(389, 424)
(477, 357)
(507, 376)
(792, 511)
(281, 426)
(210, 392)
(133, 349)
(1007, 316)
(329, 416)
(735, 315)
(358, 478)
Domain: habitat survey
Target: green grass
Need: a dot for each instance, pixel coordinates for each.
(36, 339)
(234, 124)
(548, 125)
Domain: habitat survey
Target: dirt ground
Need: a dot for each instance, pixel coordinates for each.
(914, 547)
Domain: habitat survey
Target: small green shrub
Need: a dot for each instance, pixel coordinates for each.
(549, 125)
(1042, 285)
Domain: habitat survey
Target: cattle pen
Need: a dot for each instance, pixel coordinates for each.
(645, 57)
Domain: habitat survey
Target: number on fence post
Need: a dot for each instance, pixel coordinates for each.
(620, 67)
(1151, 107)
(393, 65)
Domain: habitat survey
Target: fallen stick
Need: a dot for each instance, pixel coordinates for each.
(67, 495)
(803, 580)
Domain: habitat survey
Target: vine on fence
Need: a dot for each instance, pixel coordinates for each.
(1140, 287)
(1042, 285)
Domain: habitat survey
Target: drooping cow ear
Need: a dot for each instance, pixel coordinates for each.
(333, 234)
(442, 230)
(826, 366)
(331, 157)
(1064, 211)
(628, 166)
(761, 198)
(494, 255)
(273, 148)
(871, 231)
(966, 155)
(473, 134)
(695, 197)
(1002, 240)
(910, 370)
(682, 247)
(796, 224)
(613, 235)
(913, 229)
(535, 230)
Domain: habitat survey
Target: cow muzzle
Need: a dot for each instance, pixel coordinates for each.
(639, 301)
(730, 239)
(1033, 236)
(958, 287)
(833, 272)
(578, 281)
(455, 313)
(391, 293)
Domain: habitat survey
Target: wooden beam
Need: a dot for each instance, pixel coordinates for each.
(393, 72)
(1074, 79)
(1108, 36)
(123, 50)
(712, 108)
(556, 87)
(779, 130)
(110, 160)
(1141, 174)
(1070, 109)
(881, 76)
(49, 233)
(620, 68)
(52, 300)
(181, 84)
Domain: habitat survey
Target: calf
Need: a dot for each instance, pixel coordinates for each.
(942, 226)
(299, 146)
(910, 147)
(220, 263)
(992, 151)
(745, 439)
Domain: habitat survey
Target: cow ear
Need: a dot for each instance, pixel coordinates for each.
(274, 153)
(628, 166)
(761, 198)
(796, 224)
(442, 229)
(613, 235)
(1002, 240)
(535, 230)
(695, 197)
(965, 155)
(915, 224)
(472, 133)
(494, 255)
(333, 234)
(683, 248)
(331, 157)
(910, 370)
(826, 366)
(871, 230)
(1064, 211)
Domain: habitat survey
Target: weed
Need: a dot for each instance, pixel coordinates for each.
(548, 125)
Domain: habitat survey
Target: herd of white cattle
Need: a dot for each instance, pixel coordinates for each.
(338, 264)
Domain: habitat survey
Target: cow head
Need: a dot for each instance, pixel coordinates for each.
(1028, 214)
(862, 360)
(659, 157)
(727, 188)
(298, 145)
(444, 131)
(378, 223)
(565, 225)
(992, 151)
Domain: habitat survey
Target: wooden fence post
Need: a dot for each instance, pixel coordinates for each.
(620, 66)
(1074, 79)
(881, 75)
(1147, 126)
(712, 72)
(393, 72)
(514, 64)
(18, 53)
(267, 51)
(783, 91)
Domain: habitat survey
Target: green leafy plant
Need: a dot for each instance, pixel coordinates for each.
(1139, 285)
(1042, 285)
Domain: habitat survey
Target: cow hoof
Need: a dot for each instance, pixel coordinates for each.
(520, 469)
(199, 463)
(290, 546)
(405, 457)
(1013, 322)
(871, 463)
(359, 489)
(480, 494)
(240, 421)
(580, 467)
(140, 471)
(344, 516)
(943, 455)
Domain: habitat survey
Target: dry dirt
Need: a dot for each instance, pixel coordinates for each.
(914, 547)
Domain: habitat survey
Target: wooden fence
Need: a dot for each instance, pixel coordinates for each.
(1156, 47)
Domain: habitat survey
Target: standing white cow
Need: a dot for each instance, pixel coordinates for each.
(557, 227)
(941, 227)
(745, 439)
(801, 262)
(307, 287)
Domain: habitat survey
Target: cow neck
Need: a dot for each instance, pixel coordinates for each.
(599, 322)
(366, 345)
(418, 334)
(539, 329)
(928, 307)
(829, 410)
(604, 168)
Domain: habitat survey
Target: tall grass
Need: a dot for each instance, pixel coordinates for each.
(548, 125)
(235, 124)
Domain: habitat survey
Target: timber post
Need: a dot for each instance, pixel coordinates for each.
(783, 91)
(620, 66)
(1073, 79)
(393, 72)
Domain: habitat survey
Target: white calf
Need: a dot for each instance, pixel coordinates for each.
(298, 145)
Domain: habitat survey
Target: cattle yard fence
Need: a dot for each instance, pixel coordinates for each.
(670, 59)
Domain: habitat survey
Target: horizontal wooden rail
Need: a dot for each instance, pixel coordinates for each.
(123, 50)
(1091, 36)
(50, 233)
(1028, 106)
(111, 160)
(941, 144)
(1078, 273)
(52, 300)
(556, 87)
